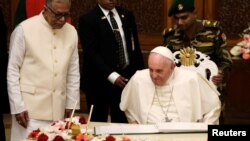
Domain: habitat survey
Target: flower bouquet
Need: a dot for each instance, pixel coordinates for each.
(69, 130)
(59, 130)
(242, 48)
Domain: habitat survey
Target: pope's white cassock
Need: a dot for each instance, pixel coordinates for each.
(192, 99)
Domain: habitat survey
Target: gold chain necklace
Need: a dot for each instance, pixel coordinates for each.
(165, 112)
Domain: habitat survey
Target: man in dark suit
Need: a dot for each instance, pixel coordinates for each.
(4, 59)
(102, 79)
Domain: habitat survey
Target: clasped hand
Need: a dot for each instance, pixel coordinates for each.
(121, 82)
(217, 79)
(22, 118)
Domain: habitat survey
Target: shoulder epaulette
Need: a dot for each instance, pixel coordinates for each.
(167, 32)
(211, 24)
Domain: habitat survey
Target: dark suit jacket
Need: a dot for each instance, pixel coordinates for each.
(99, 46)
(4, 62)
(3, 81)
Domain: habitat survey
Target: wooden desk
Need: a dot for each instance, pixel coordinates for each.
(160, 136)
(152, 137)
(170, 137)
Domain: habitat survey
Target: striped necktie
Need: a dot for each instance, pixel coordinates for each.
(120, 55)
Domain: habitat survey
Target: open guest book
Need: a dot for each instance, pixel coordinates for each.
(167, 127)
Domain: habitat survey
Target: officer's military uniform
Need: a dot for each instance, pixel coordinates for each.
(209, 39)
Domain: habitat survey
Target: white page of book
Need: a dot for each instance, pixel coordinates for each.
(126, 129)
(166, 127)
(182, 127)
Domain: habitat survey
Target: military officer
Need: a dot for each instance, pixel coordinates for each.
(203, 35)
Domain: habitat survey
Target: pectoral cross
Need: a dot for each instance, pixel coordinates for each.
(167, 119)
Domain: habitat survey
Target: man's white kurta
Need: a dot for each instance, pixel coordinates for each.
(43, 73)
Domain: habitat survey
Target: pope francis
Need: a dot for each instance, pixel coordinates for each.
(165, 93)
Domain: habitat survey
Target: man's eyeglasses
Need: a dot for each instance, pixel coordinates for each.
(59, 15)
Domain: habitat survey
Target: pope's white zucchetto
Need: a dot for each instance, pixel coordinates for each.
(163, 51)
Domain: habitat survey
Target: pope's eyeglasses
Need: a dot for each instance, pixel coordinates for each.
(57, 15)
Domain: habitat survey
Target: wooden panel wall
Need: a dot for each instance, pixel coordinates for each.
(151, 15)
(148, 14)
(234, 15)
